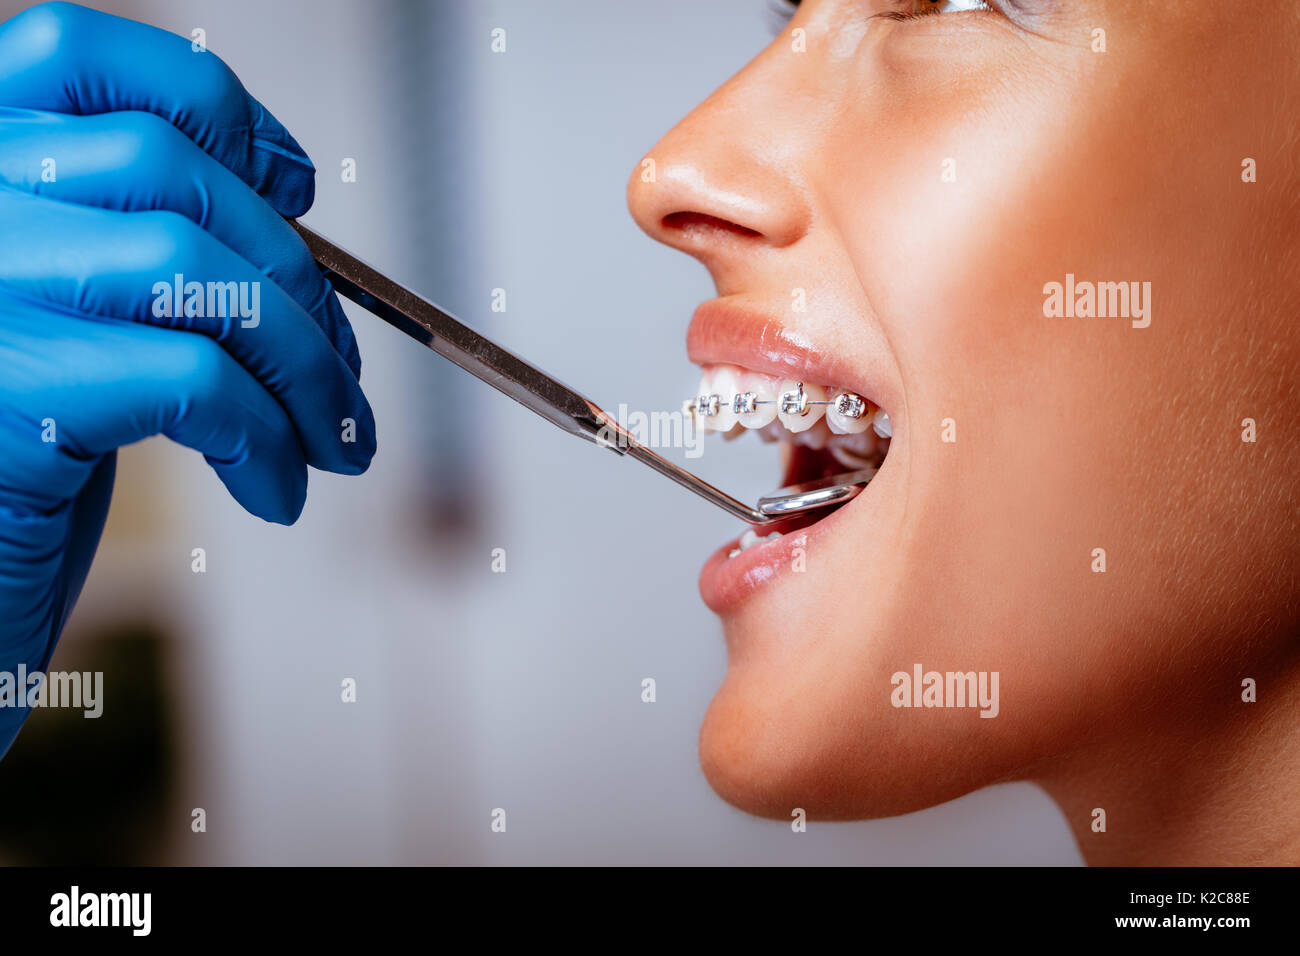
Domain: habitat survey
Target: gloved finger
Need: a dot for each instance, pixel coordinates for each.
(133, 161)
(93, 386)
(42, 546)
(69, 59)
(161, 269)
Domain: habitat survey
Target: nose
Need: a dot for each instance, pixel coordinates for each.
(726, 181)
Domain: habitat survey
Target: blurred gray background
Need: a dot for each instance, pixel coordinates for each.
(475, 171)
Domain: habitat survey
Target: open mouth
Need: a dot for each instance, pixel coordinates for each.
(824, 433)
(816, 388)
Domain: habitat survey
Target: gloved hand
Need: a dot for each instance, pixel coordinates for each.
(129, 163)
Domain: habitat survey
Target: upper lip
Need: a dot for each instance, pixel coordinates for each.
(727, 331)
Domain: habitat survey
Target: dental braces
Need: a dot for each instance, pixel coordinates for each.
(796, 402)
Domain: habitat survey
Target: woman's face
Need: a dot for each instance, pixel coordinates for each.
(916, 185)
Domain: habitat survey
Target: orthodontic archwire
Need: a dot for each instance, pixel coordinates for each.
(796, 402)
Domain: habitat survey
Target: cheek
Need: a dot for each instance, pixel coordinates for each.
(1065, 440)
(992, 571)
(1062, 429)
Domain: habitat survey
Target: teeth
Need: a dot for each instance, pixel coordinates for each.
(802, 405)
(815, 437)
(756, 391)
(705, 405)
(848, 414)
(751, 538)
(851, 459)
(713, 406)
(864, 443)
(725, 383)
(732, 400)
(881, 424)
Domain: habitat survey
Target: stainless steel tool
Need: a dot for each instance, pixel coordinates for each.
(529, 386)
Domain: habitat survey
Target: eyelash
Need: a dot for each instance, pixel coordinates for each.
(986, 7)
(786, 10)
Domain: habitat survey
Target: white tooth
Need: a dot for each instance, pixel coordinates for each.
(815, 437)
(724, 383)
(763, 388)
(849, 459)
(703, 422)
(842, 424)
(751, 538)
(881, 424)
(864, 443)
(771, 432)
(800, 423)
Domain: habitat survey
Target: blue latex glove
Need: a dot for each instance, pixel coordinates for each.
(163, 166)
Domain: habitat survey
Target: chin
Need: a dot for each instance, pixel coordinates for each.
(810, 725)
(767, 748)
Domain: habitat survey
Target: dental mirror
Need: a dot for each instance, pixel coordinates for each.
(810, 495)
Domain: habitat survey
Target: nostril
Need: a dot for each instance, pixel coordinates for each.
(698, 222)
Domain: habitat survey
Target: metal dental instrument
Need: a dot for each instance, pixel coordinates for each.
(534, 389)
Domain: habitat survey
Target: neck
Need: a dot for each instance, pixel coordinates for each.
(1214, 788)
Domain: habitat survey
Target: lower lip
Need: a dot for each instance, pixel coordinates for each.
(725, 581)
